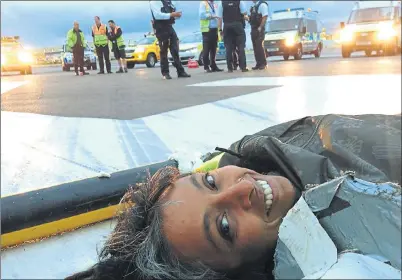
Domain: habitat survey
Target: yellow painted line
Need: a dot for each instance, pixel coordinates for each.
(60, 226)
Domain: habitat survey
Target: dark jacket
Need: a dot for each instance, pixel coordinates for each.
(314, 150)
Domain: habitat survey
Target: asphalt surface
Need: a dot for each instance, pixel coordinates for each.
(142, 92)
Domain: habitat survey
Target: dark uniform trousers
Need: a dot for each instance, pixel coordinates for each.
(234, 38)
(78, 57)
(209, 46)
(103, 53)
(168, 40)
(258, 45)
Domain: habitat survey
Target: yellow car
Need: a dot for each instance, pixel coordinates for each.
(14, 58)
(145, 52)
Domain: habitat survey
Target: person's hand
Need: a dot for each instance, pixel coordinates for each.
(259, 29)
(176, 14)
(246, 18)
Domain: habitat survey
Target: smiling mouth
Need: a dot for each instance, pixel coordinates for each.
(268, 196)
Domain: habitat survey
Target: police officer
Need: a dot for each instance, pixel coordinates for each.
(236, 50)
(115, 35)
(209, 29)
(164, 15)
(101, 42)
(258, 18)
(231, 15)
(76, 42)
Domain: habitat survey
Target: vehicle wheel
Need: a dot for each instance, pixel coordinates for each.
(391, 49)
(299, 53)
(317, 52)
(94, 66)
(286, 56)
(130, 65)
(201, 59)
(345, 52)
(368, 52)
(151, 60)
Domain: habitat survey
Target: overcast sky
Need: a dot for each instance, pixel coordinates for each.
(45, 23)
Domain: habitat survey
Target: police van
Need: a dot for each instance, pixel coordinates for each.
(294, 32)
(372, 26)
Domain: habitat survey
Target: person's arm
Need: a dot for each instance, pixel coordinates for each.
(219, 14)
(263, 10)
(203, 11)
(243, 10)
(156, 9)
(119, 33)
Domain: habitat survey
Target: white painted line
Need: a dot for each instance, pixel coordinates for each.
(7, 86)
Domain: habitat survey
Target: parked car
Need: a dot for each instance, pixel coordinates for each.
(89, 59)
(191, 48)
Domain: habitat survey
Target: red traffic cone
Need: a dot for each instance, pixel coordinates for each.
(192, 64)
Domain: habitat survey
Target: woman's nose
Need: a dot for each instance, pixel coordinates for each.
(237, 195)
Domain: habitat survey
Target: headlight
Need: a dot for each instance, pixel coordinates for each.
(139, 50)
(290, 41)
(347, 34)
(25, 57)
(385, 32)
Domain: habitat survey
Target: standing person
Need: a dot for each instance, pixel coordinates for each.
(164, 15)
(236, 49)
(231, 15)
(115, 35)
(101, 42)
(258, 18)
(76, 42)
(209, 29)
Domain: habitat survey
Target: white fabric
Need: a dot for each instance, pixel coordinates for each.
(356, 266)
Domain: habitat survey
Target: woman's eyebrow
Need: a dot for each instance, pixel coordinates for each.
(193, 179)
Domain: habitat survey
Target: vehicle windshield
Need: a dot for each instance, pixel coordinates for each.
(283, 24)
(146, 41)
(193, 38)
(371, 15)
(10, 47)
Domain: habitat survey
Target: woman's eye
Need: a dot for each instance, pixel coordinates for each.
(210, 180)
(225, 228)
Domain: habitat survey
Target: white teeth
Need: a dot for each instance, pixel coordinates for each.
(267, 193)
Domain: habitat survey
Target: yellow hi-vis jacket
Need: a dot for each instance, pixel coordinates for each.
(100, 36)
(204, 23)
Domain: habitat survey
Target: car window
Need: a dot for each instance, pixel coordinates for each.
(146, 41)
(193, 38)
(312, 26)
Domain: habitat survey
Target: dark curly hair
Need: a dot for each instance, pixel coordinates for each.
(137, 247)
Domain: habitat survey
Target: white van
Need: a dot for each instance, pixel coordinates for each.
(372, 26)
(294, 32)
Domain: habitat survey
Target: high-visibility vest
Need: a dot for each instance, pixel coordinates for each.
(119, 40)
(72, 39)
(100, 36)
(204, 23)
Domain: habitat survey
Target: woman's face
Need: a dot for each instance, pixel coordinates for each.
(226, 218)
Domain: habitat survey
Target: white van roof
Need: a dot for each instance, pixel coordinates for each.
(294, 13)
(375, 4)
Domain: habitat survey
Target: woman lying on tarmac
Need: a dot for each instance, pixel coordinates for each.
(225, 221)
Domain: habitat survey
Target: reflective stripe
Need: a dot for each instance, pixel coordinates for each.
(204, 23)
(100, 37)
